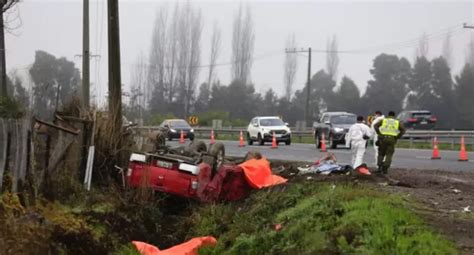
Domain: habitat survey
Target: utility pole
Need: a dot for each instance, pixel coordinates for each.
(3, 74)
(308, 82)
(115, 82)
(85, 59)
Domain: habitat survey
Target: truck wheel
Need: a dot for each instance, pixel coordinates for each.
(249, 139)
(198, 146)
(260, 140)
(217, 150)
(318, 141)
(332, 143)
(160, 140)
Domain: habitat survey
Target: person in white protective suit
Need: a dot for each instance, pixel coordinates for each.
(377, 118)
(357, 137)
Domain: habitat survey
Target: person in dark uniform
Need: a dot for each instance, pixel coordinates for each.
(389, 130)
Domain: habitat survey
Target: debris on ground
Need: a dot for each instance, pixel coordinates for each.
(466, 209)
(325, 165)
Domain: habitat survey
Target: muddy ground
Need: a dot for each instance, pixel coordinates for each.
(442, 197)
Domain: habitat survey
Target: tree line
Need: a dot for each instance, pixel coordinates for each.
(396, 84)
(165, 83)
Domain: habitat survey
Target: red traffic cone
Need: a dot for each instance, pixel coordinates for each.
(323, 144)
(435, 149)
(462, 152)
(362, 169)
(181, 137)
(274, 142)
(241, 140)
(213, 141)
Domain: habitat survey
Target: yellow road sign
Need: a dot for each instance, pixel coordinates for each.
(193, 120)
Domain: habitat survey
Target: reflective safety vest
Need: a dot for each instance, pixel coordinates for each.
(390, 127)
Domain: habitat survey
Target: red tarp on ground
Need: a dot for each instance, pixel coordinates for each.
(259, 174)
(190, 247)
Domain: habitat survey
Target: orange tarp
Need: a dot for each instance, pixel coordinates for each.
(190, 247)
(259, 174)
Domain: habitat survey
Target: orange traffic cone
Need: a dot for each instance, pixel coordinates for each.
(362, 169)
(274, 142)
(212, 137)
(241, 140)
(323, 144)
(462, 152)
(435, 149)
(181, 137)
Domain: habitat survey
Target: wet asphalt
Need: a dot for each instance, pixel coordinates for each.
(403, 158)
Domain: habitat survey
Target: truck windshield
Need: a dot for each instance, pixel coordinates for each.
(271, 122)
(343, 119)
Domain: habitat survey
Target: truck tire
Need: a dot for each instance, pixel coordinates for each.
(217, 151)
(198, 146)
(260, 140)
(317, 141)
(332, 144)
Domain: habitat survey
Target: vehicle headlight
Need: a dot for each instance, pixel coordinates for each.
(192, 130)
(338, 130)
(173, 130)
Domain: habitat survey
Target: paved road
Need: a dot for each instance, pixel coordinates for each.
(403, 158)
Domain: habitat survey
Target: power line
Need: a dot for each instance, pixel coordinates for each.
(465, 25)
(411, 42)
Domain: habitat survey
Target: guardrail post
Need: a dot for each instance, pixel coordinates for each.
(411, 142)
(452, 143)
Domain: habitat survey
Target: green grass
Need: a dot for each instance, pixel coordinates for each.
(318, 219)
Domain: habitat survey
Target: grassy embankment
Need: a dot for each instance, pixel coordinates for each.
(315, 218)
(318, 218)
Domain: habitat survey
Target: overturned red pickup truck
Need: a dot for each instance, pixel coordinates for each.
(199, 174)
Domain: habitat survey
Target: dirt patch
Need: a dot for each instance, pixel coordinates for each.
(444, 197)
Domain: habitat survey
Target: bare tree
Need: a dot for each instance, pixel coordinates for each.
(172, 57)
(332, 58)
(243, 39)
(189, 56)
(138, 86)
(157, 68)
(447, 49)
(290, 67)
(215, 50)
(423, 46)
(5, 5)
(194, 59)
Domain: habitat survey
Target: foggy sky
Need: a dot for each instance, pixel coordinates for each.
(56, 27)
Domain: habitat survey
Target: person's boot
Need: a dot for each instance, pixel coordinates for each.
(385, 170)
(379, 170)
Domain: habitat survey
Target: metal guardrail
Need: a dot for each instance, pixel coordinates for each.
(414, 136)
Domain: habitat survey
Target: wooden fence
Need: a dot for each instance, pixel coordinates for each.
(15, 150)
